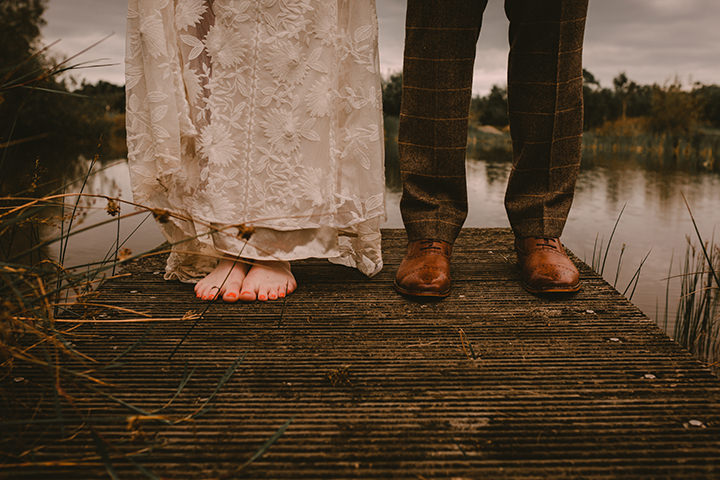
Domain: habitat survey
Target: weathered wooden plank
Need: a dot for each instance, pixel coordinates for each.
(491, 382)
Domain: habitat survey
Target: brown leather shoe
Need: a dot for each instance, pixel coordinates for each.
(545, 267)
(425, 270)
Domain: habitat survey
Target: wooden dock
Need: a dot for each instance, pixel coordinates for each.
(346, 379)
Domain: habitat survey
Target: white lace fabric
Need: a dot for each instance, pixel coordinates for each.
(265, 114)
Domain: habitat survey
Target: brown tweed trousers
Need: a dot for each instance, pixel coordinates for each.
(544, 103)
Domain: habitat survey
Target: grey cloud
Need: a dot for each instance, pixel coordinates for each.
(80, 23)
(651, 40)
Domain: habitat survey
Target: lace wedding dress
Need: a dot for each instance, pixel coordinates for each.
(263, 114)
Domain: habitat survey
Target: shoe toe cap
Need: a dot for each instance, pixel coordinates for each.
(425, 279)
(552, 277)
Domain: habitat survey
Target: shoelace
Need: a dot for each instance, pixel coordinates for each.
(428, 245)
(548, 242)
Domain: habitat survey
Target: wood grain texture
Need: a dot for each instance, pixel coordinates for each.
(491, 382)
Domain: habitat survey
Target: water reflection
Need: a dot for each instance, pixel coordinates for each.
(655, 218)
(136, 234)
(56, 178)
(26, 175)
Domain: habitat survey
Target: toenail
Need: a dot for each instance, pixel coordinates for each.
(231, 295)
(262, 297)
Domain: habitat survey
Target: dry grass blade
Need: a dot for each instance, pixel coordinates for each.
(612, 234)
(183, 382)
(103, 453)
(143, 470)
(64, 66)
(17, 67)
(19, 354)
(466, 345)
(128, 405)
(108, 306)
(702, 244)
(74, 462)
(137, 344)
(128, 320)
(264, 448)
(636, 276)
(20, 141)
(205, 406)
(53, 337)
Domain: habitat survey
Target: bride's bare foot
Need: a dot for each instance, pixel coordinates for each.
(211, 286)
(267, 281)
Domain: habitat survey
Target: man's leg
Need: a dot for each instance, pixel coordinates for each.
(545, 109)
(440, 39)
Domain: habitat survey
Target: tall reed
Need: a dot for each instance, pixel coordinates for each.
(599, 258)
(697, 325)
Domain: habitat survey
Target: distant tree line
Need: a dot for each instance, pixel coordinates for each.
(36, 100)
(46, 118)
(666, 108)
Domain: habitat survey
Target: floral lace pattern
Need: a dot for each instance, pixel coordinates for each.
(265, 113)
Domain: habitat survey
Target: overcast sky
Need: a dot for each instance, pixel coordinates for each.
(651, 40)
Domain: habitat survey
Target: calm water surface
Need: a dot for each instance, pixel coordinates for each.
(655, 219)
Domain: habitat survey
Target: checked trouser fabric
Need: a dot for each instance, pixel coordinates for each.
(544, 103)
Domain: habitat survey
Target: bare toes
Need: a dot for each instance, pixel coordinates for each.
(211, 293)
(232, 292)
(231, 297)
(247, 294)
(263, 295)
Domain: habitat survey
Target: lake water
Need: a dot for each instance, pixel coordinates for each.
(655, 219)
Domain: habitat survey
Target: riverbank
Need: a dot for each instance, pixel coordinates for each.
(699, 152)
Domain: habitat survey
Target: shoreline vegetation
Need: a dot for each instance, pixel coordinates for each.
(667, 125)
